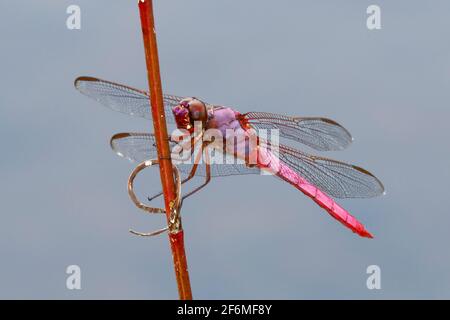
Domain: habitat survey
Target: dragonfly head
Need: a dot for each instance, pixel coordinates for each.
(189, 112)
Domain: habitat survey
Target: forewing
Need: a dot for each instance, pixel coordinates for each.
(122, 98)
(321, 134)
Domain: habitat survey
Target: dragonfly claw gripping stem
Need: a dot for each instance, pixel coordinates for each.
(175, 205)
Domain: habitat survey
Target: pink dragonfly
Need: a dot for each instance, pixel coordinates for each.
(317, 177)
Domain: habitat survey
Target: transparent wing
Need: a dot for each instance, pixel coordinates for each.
(138, 147)
(228, 166)
(122, 98)
(135, 147)
(338, 179)
(318, 133)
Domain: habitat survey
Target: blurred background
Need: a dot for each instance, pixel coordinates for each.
(63, 191)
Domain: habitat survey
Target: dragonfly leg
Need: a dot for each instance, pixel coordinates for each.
(189, 177)
(154, 196)
(207, 179)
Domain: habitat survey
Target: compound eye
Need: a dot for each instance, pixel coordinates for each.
(198, 111)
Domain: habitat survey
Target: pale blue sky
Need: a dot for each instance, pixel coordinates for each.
(63, 191)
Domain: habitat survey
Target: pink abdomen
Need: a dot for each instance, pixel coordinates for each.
(267, 161)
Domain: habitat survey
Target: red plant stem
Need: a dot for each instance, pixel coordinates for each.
(162, 143)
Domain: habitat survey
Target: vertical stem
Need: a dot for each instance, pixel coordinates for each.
(162, 143)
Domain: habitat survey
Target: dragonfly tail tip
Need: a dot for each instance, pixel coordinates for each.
(367, 234)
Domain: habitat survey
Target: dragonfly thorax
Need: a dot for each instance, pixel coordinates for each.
(189, 111)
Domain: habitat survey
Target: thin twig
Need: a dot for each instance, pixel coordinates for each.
(176, 235)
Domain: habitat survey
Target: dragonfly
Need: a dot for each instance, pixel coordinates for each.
(320, 178)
